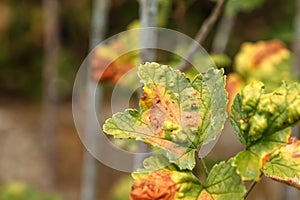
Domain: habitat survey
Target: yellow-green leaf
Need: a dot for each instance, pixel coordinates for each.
(176, 115)
(223, 183)
(211, 86)
(248, 165)
(262, 123)
(284, 164)
(256, 115)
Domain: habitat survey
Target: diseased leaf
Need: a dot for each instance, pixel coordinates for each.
(108, 65)
(223, 183)
(262, 123)
(266, 61)
(249, 162)
(167, 183)
(271, 142)
(174, 115)
(284, 164)
(256, 115)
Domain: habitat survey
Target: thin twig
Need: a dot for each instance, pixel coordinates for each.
(202, 34)
(250, 189)
(223, 33)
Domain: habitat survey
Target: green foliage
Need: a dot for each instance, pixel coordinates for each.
(20, 191)
(256, 115)
(224, 183)
(261, 122)
(213, 109)
(178, 116)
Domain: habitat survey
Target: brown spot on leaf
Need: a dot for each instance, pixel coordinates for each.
(283, 123)
(245, 120)
(266, 158)
(295, 154)
(194, 105)
(190, 119)
(157, 116)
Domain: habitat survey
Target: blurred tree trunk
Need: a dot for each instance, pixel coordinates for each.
(296, 44)
(290, 192)
(148, 18)
(49, 115)
(89, 171)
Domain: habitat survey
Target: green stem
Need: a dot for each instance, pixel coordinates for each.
(250, 189)
(201, 162)
(204, 166)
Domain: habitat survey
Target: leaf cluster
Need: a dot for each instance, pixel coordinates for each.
(178, 116)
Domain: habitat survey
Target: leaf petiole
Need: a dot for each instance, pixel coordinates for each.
(200, 161)
(204, 166)
(253, 184)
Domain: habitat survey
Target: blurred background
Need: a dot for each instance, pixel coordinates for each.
(42, 45)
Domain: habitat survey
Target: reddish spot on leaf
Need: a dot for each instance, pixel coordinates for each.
(266, 158)
(157, 117)
(190, 119)
(245, 120)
